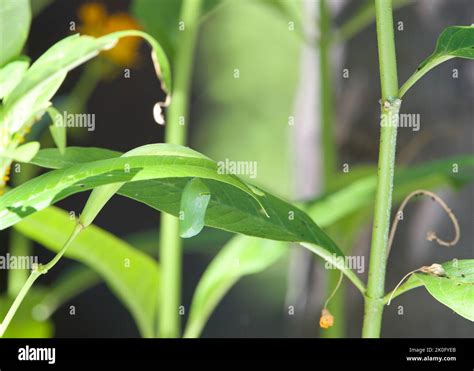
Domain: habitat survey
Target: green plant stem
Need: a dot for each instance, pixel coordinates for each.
(176, 121)
(20, 246)
(407, 286)
(421, 72)
(18, 300)
(363, 17)
(84, 87)
(35, 273)
(329, 152)
(386, 165)
(327, 108)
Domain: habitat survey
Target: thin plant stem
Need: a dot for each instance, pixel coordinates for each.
(19, 246)
(329, 149)
(18, 300)
(35, 273)
(390, 106)
(327, 108)
(177, 119)
(363, 17)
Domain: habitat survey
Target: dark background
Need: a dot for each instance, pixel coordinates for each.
(123, 109)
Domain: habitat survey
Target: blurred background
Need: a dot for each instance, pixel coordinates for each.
(271, 114)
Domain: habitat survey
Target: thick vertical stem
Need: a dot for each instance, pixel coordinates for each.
(177, 119)
(383, 199)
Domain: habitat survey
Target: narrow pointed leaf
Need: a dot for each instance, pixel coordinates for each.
(455, 41)
(57, 129)
(158, 181)
(241, 256)
(42, 80)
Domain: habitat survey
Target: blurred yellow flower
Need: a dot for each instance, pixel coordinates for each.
(96, 21)
(326, 320)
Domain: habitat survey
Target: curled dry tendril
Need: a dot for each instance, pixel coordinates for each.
(430, 236)
(434, 269)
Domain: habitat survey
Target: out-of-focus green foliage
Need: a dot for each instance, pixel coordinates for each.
(245, 80)
(240, 256)
(131, 275)
(25, 324)
(15, 18)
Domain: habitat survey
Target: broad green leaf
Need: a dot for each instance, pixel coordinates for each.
(158, 181)
(101, 195)
(327, 209)
(57, 129)
(38, 85)
(15, 19)
(455, 41)
(11, 74)
(240, 257)
(194, 201)
(26, 323)
(24, 153)
(455, 290)
(229, 210)
(130, 274)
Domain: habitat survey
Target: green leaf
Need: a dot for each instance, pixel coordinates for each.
(24, 153)
(57, 129)
(130, 274)
(38, 85)
(11, 74)
(455, 290)
(158, 181)
(194, 201)
(240, 257)
(455, 41)
(101, 195)
(15, 19)
(231, 208)
(51, 158)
